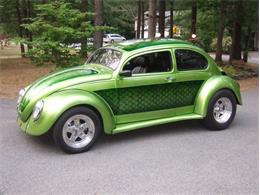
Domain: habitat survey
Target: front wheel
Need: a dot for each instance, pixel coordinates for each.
(221, 110)
(77, 130)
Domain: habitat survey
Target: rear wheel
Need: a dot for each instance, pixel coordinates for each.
(77, 130)
(221, 110)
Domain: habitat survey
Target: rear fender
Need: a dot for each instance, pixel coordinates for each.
(210, 87)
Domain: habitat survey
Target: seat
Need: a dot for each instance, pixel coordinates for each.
(139, 65)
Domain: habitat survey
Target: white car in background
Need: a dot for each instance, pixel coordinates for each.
(110, 38)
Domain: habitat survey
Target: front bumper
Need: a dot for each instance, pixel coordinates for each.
(31, 127)
(22, 125)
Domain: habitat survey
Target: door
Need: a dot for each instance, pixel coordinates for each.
(147, 92)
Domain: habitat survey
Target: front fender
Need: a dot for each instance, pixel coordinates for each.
(57, 103)
(210, 87)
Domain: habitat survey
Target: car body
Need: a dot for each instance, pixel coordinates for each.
(110, 38)
(117, 93)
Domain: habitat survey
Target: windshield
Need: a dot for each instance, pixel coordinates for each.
(106, 57)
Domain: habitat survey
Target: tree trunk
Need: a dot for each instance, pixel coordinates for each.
(29, 15)
(235, 52)
(171, 19)
(152, 19)
(193, 17)
(162, 17)
(221, 28)
(83, 50)
(20, 30)
(138, 20)
(237, 43)
(98, 37)
(247, 40)
(25, 20)
(142, 19)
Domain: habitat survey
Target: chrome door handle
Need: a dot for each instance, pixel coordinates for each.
(170, 79)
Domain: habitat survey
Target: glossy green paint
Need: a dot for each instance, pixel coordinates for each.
(89, 85)
(210, 87)
(55, 108)
(57, 81)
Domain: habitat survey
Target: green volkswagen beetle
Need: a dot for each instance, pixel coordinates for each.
(127, 86)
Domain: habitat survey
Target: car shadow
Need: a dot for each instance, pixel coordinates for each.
(170, 129)
(46, 143)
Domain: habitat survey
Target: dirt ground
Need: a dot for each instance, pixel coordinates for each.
(17, 73)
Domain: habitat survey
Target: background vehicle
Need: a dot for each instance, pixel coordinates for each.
(128, 86)
(110, 38)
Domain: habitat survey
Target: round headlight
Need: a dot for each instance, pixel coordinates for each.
(37, 109)
(20, 96)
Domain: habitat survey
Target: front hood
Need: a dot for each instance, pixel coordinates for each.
(60, 80)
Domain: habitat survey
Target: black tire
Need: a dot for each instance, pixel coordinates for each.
(58, 129)
(209, 121)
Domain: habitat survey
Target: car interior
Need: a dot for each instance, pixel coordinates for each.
(190, 60)
(149, 63)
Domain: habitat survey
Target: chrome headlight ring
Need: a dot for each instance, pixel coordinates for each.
(37, 110)
(20, 96)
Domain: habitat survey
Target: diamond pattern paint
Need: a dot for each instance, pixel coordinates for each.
(152, 97)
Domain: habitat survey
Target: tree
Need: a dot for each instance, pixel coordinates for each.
(236, 48)
(221, 28)
(247, 39)
(27, 15)
(142, 19)
(193, 17)
(56, 28)
(98, 37)
(152, 19)
(84, 8)
(250, 24)
(138, 19)
(20, 30)
(162, 17)
(125, 12)
(171, 19)
(30, 9)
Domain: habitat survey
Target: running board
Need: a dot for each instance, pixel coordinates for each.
(141, 124)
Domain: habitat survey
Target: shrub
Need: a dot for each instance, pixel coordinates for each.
(226, 44)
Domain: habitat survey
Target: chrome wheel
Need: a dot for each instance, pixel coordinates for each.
(78, 131)
(222, 110)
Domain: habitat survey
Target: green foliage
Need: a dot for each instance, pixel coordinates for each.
(226, 44)
(57, 26)
(208, 17)
(8, 21)
(230, 70)
(121, 15)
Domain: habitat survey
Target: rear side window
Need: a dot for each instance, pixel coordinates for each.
(190, 60)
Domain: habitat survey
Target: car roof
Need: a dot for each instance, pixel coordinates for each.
(132, 45)
(113, 34)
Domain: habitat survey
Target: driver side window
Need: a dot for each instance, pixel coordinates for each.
(150, 63)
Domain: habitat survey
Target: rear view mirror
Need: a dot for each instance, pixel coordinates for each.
(126, 73)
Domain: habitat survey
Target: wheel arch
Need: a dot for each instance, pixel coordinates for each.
(211, 87)
(59, 102)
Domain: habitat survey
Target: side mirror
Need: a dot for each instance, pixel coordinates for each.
(126, 73)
